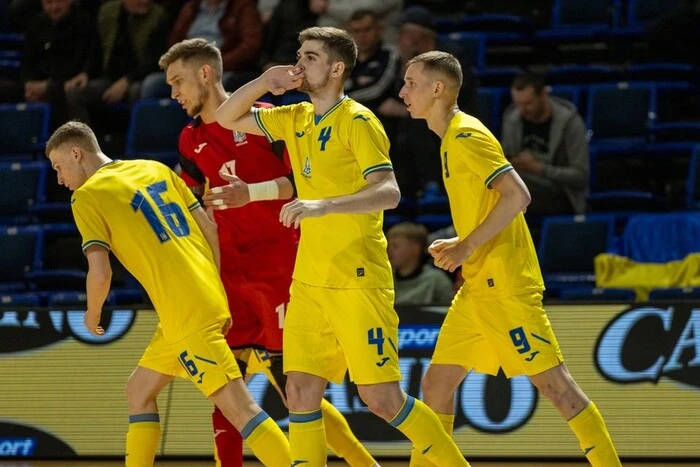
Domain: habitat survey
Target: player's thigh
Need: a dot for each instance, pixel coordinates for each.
(207, 360)
(160, 356)
(366, 326)
(144, 385)
(310, 344)
(461, 341)
(521, 335)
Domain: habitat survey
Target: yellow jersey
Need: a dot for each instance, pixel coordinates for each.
(471, 159)
(140, 210)
(331, 155)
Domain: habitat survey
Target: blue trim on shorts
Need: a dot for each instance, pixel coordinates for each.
(403, 413)
(254, 423)
(144, 417)
(305, 417)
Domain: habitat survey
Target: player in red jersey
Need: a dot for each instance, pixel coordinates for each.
(257, 251)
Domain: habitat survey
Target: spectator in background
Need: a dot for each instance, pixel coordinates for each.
(338, 13)
(236, 28)
(371, 81)
(266, 8)
(132, 36)
(281, 40)
(544, 139)
(414, 148)
(60, 53)
(415, 281)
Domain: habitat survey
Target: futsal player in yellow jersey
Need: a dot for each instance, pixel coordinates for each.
(144, 213)
(341, 313)
(496, 319)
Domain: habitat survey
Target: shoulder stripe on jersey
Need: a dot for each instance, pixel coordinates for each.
(95, 242)
(261, 125)
(193, 206)
(374, 168)
(497, 172)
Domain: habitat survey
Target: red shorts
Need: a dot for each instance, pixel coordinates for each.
(258, 307)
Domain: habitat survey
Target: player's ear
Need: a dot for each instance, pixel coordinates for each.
(76, 153)
(205, 72)
(338, 69)
(438, 88)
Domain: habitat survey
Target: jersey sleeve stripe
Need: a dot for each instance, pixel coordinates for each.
(496, 173)
(193, 206)
(95, 242)
(261, 125)
(375, 168)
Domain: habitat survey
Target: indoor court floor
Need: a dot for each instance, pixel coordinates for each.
(20, 463)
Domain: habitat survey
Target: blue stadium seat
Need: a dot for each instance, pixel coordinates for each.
(568, 245)
(23, 182)
(589, 293)
(574, 74)
(69, 298)
(473, 45)
(585, 14)
(570, 92)
(675, 294)
(25, 129)
(488, 107)
(21, 254)
(154, 130)
(23, 299)
(641, 12)
(619, 114)
(626, 200)
(692, 187)
(659, 238)
(61, 255)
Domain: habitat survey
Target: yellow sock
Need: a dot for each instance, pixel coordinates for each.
(420, 424)
(594, 439)
(307, 438)
(142, 440)
(341, 439)
(417, 460)
(266, 440)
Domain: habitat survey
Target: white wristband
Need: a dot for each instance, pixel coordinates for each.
(263, 190)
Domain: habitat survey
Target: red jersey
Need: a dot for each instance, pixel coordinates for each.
(257, 251)
(250, 237)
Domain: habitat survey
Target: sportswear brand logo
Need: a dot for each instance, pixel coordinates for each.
(199, 148)
(72, 201)
(361, 117)
(424, 451)
(299, 462)
(463, 135)
(218, 432)
(360, 272)
(489, 281)
(587, 450)
(299, 133)
(532, 356)
(306, 171)
(383, 362)
(201, 377)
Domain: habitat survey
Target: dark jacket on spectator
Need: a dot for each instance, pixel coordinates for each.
(58, 52)
(240, 27)
(131, 44)
(281, 39)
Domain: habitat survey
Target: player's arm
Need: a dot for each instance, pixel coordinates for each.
(381, 193)
(209, 229)
(97, 284)
(239, 193)
(235, 113)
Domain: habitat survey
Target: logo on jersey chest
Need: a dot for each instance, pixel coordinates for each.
(306, 171)
(239, 138)
(229, 167)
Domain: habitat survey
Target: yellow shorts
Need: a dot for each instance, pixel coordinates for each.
(328, 331)
(512, 333)
(203, 357)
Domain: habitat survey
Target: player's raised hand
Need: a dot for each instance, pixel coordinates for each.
(440, 244)
(280, 79)
(293, 212)
(233, 195)
(92, 323)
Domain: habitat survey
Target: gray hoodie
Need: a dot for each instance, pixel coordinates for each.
(566, 162)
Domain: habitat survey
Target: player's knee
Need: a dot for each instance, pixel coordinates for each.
(137, 395)
(383, 401)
